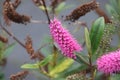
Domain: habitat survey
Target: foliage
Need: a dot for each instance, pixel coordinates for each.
(49, 59)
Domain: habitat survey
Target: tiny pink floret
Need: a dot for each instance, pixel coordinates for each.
(109, 63)
(64, 39)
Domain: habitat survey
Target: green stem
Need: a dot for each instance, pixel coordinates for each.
(54, 56)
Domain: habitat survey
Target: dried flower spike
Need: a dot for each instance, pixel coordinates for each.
(82, 10)
(19, 76)
(10, 14)
(64, 39)
(109, 63)
(29, 46)
(3, 39)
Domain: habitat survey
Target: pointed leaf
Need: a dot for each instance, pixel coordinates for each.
(60, 7)
(43, 8)
(30, 66)
(96, 33)
(45, 61)
(111, 11)
(61, 67)
(81, 59)
(87, 40)
(38, 64)
(9, 50)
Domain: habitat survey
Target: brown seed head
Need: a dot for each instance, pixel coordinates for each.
(10, 14)
(29, 45)
(82, 10)
(19, 76)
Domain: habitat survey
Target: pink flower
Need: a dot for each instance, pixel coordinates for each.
(64, 39)
(109, 63)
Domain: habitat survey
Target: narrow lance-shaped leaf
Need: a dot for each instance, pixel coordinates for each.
(61, 67)
(87, 40)
(96, 33)
(38, 64)
(60, 7)
(45, 61)
(115, 4)
(9, 49)
(43, 8)
(30, 66)
(111, 11)
(81, 59)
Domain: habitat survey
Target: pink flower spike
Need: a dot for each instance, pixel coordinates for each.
(64, 39)
(109, 63)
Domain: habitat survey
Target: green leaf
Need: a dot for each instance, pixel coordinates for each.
(45, 61)
(96, 33)
(87, 40)
(115, 77)
(46, 45)
(38, 64)
(112, 11)
(2, 76)
(30, 66)
(43, 8)
(74, 69)
(115, 5)
(81, 59)
(61, 67)
(9, 49)
(60, 7)
(2, 48)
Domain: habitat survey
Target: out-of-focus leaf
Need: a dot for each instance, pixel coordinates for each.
(87, 40)
(46, 39)
(9, 49)
(74, 69)
(61, 67)
(2, 48)
(96, 33)
(60, 78)
(115, 77)
(38, 64)
(111, 11)
(114, 9)
(45, 61)
(47, 46)
(115, 5)
(81, 59)
(2, 76)
(43, 8)
(30, 66)
(62, 6)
